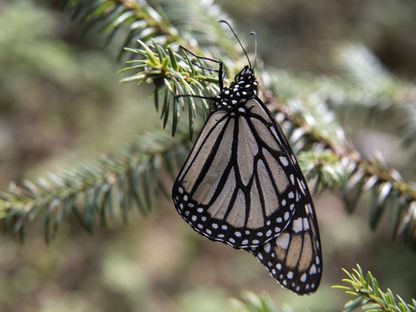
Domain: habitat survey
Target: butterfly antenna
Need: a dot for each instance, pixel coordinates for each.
(239, 42)
(253, 33)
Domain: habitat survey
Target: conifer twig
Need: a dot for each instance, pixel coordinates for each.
(367, 294)
(95, 192)
(155, 33)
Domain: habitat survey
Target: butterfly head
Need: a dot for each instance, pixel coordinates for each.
(246, 77)
(243, 88)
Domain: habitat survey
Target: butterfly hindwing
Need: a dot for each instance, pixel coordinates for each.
(294, 257)
(240, 184)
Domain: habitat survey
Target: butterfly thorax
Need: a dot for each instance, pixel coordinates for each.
(243, 88)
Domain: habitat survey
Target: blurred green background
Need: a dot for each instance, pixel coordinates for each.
(61, 103)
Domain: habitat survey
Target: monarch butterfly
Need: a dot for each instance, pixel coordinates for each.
(241, 185)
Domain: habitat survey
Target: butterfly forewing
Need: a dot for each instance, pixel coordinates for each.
(240, 184)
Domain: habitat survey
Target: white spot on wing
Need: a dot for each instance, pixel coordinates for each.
(293, 158)
(286, 216)
(273, 130)
(308, 209)
(297, 225)
(305, 224)
(284, 161)
(267, 247)
(303, 278)
(283, 240)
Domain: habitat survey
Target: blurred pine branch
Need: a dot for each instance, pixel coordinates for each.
(254, 303)
(305, 108)
(95, 192)
(368, 295)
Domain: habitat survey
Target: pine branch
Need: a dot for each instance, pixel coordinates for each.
(110, 17)
(364, 289)
(386, 185)
(367, 294)
(253, 303)
(178, 78)
(131, 177)
(363, 83)
(159, 21)
(384, 91)
(366, 87)
(308, 122)
(95, 192)
(366, 72)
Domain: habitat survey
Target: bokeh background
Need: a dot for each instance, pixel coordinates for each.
(61, 103)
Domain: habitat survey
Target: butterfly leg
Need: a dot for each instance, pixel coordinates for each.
(195, 96)
(206, 68)
(220, 70)
(200, 57)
